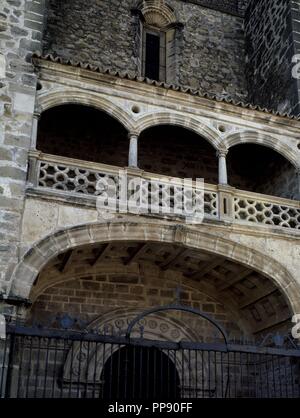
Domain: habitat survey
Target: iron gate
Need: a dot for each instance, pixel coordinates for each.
(39, 363)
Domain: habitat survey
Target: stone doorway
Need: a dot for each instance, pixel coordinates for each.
(135, 372)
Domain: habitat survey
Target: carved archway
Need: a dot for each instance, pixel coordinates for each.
(85, 362)
(42, 252)
(183, 121)
(252, 137)
(51, 99)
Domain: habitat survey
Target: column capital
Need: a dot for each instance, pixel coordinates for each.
(222, 153)
(133, 134)
(37, 114)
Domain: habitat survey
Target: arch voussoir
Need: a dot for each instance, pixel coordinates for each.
(34, 260)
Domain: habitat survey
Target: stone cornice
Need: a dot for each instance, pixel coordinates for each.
(144, 86)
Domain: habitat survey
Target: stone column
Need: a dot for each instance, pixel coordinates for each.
(133, 150)
(223, 178)
(34, 130)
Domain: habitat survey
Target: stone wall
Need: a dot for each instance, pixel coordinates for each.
(88, 298)
(210, 47)
(21, 26)
(269, 51)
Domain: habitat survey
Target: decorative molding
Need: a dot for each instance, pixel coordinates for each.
(157, 13)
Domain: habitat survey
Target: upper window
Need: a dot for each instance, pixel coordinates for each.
(154, 51)
(156, 35)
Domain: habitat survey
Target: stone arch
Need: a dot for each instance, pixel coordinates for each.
(157, 13)
(194, 125)
(252, 137)
(57, 98)
(80, 361)
(42, 252)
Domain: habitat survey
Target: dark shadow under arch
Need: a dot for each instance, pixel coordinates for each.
(137, 372)
(84, 133)
(179, 152)
(258, 168)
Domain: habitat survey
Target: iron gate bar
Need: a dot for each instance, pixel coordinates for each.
(176, 307)
(100, 338)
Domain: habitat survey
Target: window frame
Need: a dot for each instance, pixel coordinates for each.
(161, 33)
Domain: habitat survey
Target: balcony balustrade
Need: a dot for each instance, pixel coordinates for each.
(69, 177)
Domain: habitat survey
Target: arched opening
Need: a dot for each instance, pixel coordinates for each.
(99, 285)
(177, 152)
(84, 133)
(88, 281)
(260, 169)
(140, 373)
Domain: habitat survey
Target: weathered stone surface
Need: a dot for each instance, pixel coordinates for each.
(269, 50)
(209, 52)
(17, 96)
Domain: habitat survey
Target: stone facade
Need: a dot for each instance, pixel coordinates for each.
(209, 47)
(243, 234)
(21, 28)
(269, 50)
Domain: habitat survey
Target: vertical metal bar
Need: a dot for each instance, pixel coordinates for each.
(168, 373)
(227, 391)
(197, 371)
(292, 377)
(87, 370)
(241, 375)
(120, 381)
(203, 380)
(154, 395)
(29, 368)
(249, 375)
(20, 371)
(61, 395)
(148, 371)
(260, 363)
(126, 372)
(298, 379)
(10, 365)
(110, 371)
(190, 377)
(141, 368)
(46, 366)
(95, 370)
(37, 369)
(255, 374)
(183, 376)
(273, 374)
(79, 369)
(102, 376)
(279, 375)
(286, 379)
(8, 337)
(163, 372)
(215, 369)
(235, 374)
(71, 369)
(54, 365)
(209, 373)
(267, 376)
(134, 373)
(175, 388)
